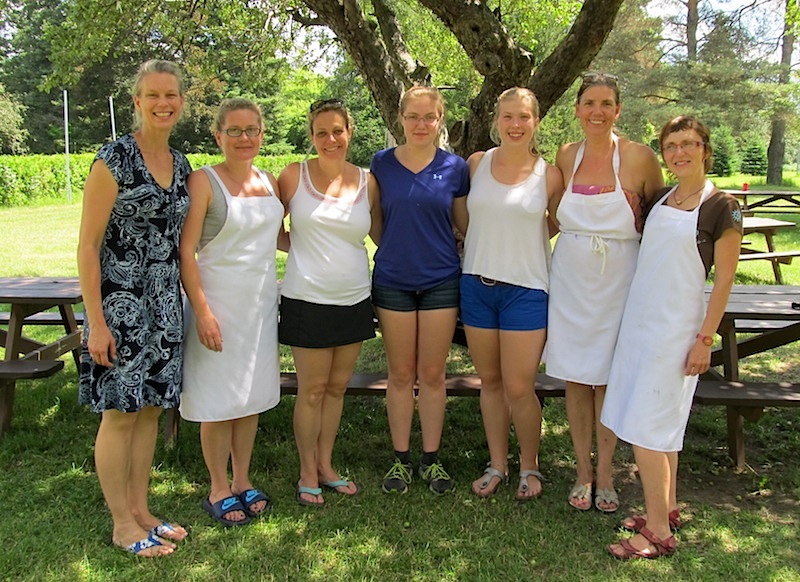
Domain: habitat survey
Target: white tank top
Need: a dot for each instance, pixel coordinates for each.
(328, 260)
(507, 238)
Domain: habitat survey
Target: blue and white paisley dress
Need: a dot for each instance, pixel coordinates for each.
(140, 286)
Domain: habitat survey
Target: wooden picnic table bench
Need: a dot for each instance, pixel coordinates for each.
(767, 227)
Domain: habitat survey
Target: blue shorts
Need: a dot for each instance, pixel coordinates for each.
(443, 296)
(490, 304)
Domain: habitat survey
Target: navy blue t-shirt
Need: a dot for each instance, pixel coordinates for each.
(418, 249)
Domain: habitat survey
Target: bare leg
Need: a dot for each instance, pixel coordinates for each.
(484, 348)
(242, 441)
(313, 367)
(606, 444)
(434, 337)
(399, 331)
(113, 461)
(344, 359)
(216, 439)
(520, 353)
(580, 415)
(655, 474)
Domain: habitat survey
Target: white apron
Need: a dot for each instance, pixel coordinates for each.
(648, 397)
(593, 264)
(237, 269)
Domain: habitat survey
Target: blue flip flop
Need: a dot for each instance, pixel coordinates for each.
(149, 542)
(220, 508)
(251, 496)
(163, 529)
(332, 485)
(310, 491)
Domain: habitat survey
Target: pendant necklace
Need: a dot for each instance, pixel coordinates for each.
(685, 198)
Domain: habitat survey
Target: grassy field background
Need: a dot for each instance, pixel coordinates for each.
(740, 526)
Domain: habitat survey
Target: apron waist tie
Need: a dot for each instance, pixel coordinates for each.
(600, 246)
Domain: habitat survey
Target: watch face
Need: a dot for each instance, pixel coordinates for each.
(708, 340)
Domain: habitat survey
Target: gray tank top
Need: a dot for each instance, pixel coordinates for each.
(217, 211)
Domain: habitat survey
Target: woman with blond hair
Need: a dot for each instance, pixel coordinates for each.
(415, 280)
(504, 285)
(231, 368)
(135, 201)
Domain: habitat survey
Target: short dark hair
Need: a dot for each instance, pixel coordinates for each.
(684, 122)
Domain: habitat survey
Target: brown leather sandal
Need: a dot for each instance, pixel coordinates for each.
(635, 523)
(625, 551)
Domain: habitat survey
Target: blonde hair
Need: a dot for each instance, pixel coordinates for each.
(432, 93)
(231, 105)
(148, 68)
(523, 94)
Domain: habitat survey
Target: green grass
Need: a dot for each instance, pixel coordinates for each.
(55, 525)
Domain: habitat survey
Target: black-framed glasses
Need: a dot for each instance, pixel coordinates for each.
(331, 103)
(251, 131)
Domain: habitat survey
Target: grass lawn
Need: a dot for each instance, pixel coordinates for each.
(55, 525)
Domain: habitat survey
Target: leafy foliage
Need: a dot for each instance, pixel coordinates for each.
(725, 158)
(12, 132)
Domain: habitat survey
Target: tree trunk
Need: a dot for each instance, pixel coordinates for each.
(382, 58)
(692, 19)
(777, 141)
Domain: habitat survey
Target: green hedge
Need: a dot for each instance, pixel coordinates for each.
(41, 179)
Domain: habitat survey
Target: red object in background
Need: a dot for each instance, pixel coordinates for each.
(745, 187)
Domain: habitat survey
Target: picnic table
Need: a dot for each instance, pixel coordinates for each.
(29, 299)
(770, 315)
(767, 227)
(767, 200)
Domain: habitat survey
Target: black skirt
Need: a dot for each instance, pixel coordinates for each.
(313, 325)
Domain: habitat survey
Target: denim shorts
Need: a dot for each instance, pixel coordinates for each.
(490, 304)
(443, 296)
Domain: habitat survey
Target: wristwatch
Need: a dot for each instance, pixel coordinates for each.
(706, 339)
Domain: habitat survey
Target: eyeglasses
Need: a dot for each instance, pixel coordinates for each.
(686, 146)
(329, 103)
(248, 131)
(415, 119)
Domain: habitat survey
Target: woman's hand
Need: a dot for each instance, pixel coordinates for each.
(209, 333)
(101, 345)
(699, 359)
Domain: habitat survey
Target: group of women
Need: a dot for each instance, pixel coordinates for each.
(626, 324)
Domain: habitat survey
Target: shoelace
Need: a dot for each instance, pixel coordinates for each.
(436, 472)
(399, 471)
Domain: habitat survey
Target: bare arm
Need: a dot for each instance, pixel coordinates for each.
(99, 194)
(564, 161)
(653, 176)
(283, 236)
(200, 195)
(375, 209)
(726, 258)
(555, 190)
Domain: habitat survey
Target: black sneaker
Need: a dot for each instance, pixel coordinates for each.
(398, 478)
(438, 480)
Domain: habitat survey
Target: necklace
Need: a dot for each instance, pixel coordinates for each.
(685, 198)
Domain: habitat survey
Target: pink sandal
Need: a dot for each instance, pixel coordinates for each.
(624, 550)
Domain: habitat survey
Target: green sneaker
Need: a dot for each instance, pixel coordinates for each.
(398, 478)
(438, 480)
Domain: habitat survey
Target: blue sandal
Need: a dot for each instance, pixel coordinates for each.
(149, 542)
(332, 485)
(251, 496)
(220, 508)
(163, 530)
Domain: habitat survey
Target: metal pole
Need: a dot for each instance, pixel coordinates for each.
(113, 121)
(66, 147)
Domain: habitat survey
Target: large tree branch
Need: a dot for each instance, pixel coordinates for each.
(362, 42)
(575, 53)
(404, 63)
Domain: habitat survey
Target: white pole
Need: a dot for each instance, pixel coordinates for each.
(66, 146)
(113, 121)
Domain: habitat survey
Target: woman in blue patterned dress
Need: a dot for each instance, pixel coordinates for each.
(135, 201)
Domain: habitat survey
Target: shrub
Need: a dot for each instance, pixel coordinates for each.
(754, 159)
(725, 161)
